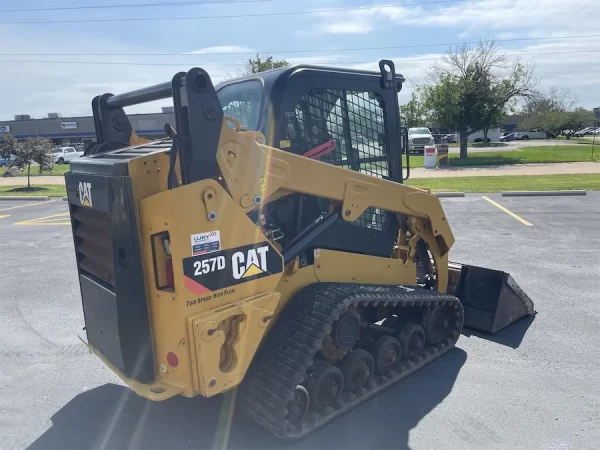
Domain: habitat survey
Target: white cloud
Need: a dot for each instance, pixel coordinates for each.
(327, 59)
(348, 27)
(561, 64)
(359, 21)
(565, 63)
(37, 88)
(223, 49)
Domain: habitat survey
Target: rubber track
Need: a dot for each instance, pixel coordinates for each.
(291, 345)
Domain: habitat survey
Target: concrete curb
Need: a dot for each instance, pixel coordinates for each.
(543, 193)
(25, 197)
(449, 194)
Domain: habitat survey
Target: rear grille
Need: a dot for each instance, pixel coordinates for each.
(421, 141)
(93, 244)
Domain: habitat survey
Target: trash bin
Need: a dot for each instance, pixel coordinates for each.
(442, 150)
(430, 157)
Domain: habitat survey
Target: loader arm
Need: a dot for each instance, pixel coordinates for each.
(276, 173)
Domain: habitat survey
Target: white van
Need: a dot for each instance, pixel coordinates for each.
(531, 134)
(493, 135)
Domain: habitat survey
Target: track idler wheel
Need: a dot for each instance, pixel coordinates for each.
(325, 386)
(387, 352)
(342, 338)
(412, 339)
(298, 406)
(357, 369)
(437, 323)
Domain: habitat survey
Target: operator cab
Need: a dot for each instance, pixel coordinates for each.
(348, 118)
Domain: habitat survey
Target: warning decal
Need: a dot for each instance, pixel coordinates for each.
(217, 270)
(206, 242)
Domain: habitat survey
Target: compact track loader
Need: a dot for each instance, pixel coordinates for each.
(267, 244)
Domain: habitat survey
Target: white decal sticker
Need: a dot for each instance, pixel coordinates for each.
(206, 242)
(85, 193)
(209, 265)
(247, 264)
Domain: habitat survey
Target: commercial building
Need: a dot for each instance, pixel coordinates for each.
(71, 130)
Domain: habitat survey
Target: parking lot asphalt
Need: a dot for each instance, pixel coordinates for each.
(533, 385)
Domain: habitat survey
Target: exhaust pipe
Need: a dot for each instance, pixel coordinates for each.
(491, 299)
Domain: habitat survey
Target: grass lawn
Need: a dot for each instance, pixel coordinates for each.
(50, 190)
(59, 169)
(590, 182)
(582, 140)
(524, 155)
(479, 144)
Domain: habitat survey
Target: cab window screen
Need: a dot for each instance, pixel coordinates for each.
(356, 121)
(243, 102)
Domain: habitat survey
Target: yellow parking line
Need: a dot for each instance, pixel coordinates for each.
(510, 213)
(27, 204)
(41, 219)
(4, 217)
(55, 219)
(43, 223)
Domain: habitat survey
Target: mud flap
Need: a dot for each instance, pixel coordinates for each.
(491, 299)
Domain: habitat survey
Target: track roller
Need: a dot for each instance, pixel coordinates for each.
(298, 406)
(387, 352)
(412, 339)
(316, 342)
(357, 369)
(325, 386)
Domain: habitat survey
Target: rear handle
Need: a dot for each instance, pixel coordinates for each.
(404, 146)
(144, 95)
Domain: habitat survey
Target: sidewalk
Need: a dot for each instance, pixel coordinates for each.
(504, 170)
(22, 181)
(417, 172)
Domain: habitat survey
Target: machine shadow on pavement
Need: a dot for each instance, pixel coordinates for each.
(112, 416)
(511, 336)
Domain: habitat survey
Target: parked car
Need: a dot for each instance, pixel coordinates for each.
(531, 134)
(585, 131)
(5, 162)
(506, 137)
(65, 154)
(449, 138)
(418, 138)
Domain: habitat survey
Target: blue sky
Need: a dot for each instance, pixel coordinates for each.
(37, 88)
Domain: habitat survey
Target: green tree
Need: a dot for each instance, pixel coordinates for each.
(556, 112)
(556, 100)
(559, 122)
(33, 150)
(260, 64)
(8, 145)
(414, 113)
(471, 88)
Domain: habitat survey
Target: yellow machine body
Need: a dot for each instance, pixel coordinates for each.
(215, 335)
